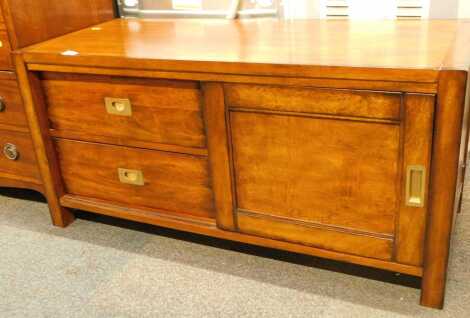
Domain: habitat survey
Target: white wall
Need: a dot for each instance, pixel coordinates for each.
(372, 9)
(444, 9)
(438, 9)
(303, 9)
(449, 9)
(464, 9)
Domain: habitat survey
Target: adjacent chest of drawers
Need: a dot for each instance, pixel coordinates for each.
(18, 166)
(22, 23)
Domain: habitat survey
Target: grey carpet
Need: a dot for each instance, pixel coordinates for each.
(101, 267)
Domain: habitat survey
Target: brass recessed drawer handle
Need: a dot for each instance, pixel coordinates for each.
(129, 176)
(118, 106)
(415, 185)
(3, 106)
(11, 152)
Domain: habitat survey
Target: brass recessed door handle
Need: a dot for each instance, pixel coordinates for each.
(129, 176)
(118, 106)
(415, 185)
(11, 152)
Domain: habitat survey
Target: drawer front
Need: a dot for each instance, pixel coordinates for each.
(138, 110)
(315, 100)
(17, 157)
(137, 177)
(5, 51)
(11, 104)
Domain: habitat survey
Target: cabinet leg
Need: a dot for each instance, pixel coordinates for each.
(61, 217)
(36, 113)
(433, 290)
(444, 175)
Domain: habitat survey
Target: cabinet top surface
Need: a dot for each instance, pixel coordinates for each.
(407, 45)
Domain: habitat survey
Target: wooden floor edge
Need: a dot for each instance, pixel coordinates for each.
(210, 229)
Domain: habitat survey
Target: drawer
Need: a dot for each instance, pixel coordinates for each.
(5, 51)
(154, 179)
(17, 159)
(337, 102)
(140, 111)
(11, 103)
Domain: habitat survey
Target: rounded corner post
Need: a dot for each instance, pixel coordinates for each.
(444, 174)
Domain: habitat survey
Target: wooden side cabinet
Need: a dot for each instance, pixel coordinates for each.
(285, 148)
(18, 166)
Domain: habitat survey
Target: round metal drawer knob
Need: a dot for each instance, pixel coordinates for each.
(2, 105)
(11, 152)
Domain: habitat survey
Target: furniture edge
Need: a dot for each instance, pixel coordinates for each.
(443, 182)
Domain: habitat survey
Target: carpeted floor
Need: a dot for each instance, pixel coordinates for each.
(102, 267)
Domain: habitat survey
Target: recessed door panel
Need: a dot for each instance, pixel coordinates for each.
(333, 172)
(352, 184)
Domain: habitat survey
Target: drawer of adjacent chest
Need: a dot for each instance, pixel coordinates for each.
(17, 158)
(5, 51)
(11, 105)
(136, 177)
(125, 111)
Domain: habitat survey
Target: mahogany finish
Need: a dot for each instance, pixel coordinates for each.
(319, 141)
(315, 101)
(445, 161)
(216, 120)
(24, 166)
(173, 182)
(417, 145)
(12, 113)
(319, 236)
(32, 21)
(5, 50)
(25, 22)
(163, 112)
(346, 191)
(282, 170)
(46, 157)
(409, 51)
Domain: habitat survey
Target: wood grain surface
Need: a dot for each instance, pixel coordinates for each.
(32, 21)
(13, 113)
(409, 50)
(24, 168)
(332, 172)
(173, 182)
(164, 112)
